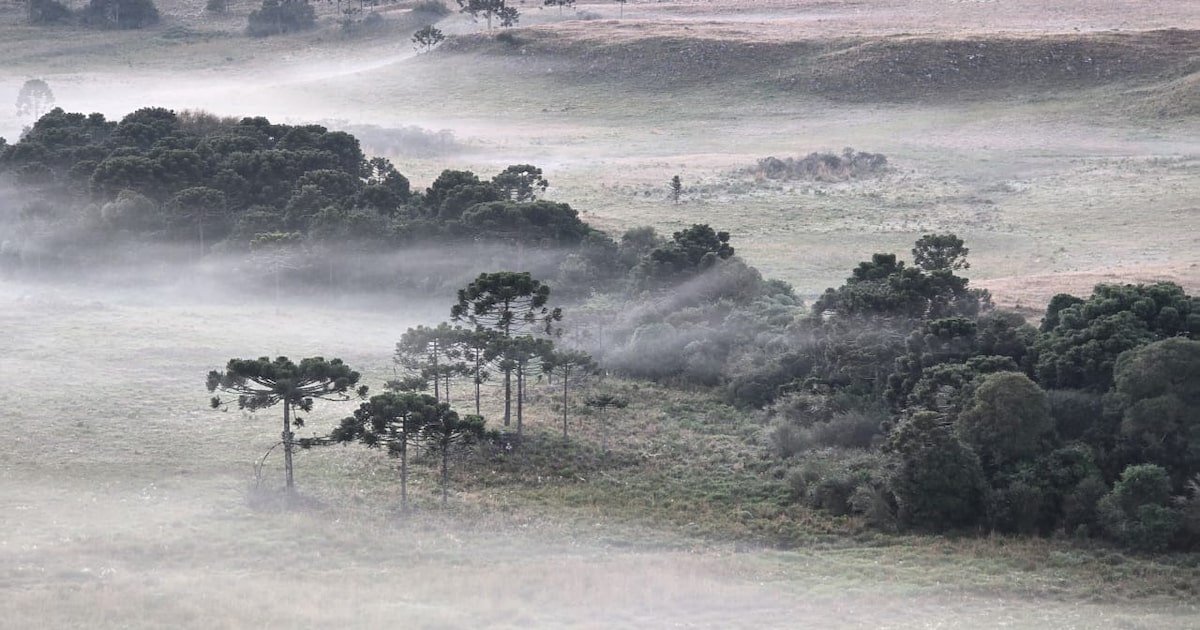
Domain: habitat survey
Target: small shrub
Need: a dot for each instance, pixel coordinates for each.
(849, 429)
(833, 493)
(432, 7)
(1017, 508)
(122, 14)
(1135, 512)
(48, 12)
(786, 439)
(507, 37)
(822, 166)
(876, 504)
(277, 18)
(217, 6)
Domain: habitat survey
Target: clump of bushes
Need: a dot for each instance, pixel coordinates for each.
(824, 167)
(48, 12)
(432, 7)
(277, 18)
(121, 14)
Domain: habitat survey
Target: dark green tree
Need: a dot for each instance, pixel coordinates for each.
(509, 303)
(676, 188)
(428, 37)
(276, 17)
(123, 14)
(1156, 392)
(198, 205)
(1081, 348)
(448, 431)
(262, 383)
(938, 482)
(689, 252)
(559, 3)
(490, 10)
(392, 420)
(1137, 513)
(940, 252)
(1007, 422)
(520, 182)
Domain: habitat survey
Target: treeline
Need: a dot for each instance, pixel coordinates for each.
(904, 397)
(116, 14)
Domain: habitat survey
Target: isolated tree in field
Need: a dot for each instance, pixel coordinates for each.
(603, 403)
(941, 252)
(34, 99)
(445, 432)
(676, 188)
(569, 366)
(559, 3)
(262, 383)
(392, 420)
(490, 10)
(427, 38)
(509, 303)
(520, 182)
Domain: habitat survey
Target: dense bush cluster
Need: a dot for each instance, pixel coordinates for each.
(158, 174)
(1089, 426)
(277, 17)
(824, 167)
(901, 396)
(118, 14)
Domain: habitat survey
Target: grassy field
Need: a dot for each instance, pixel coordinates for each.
(128, 503)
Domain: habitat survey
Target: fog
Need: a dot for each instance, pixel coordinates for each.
(126, 501)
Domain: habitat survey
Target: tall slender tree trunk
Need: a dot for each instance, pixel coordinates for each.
(445, 472)
(287, 445)
(520, 397)
(507, 395)
(565, 379)
(437, 378)
(478, 367)
(404, 473)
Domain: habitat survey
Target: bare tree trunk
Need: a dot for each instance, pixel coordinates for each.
(507, 395)
(520, 397)
(565, 379)
(445, 472)
(477, 368)
(287, 446)
(404, 473)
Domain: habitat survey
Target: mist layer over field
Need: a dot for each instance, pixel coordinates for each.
(129, 503)
(125, 501)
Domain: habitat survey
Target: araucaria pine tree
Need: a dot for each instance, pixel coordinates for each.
(262, 383)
